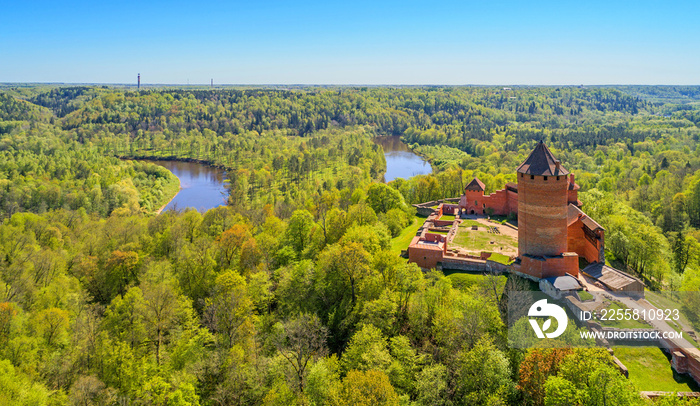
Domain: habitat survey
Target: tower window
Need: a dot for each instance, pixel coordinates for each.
(557, 177)
(532, 176)
(545, 178)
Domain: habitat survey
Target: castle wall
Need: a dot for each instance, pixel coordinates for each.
(684, 360)
(434, 237)
(542, 215)
(544, 267)
(463, 264)
(512, 201)
(502, 202)
(449, 208)
(425, 257)
(578, 243)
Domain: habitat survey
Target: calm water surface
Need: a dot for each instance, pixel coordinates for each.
(201, 186)
(401, 162)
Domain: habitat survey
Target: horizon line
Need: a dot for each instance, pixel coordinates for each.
(329, 84)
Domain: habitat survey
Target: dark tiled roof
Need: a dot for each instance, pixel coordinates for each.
(475, 184)
(592, 224)
(541, 162)
(574, 213)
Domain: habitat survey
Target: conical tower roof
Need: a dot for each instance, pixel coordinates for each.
(541, 162)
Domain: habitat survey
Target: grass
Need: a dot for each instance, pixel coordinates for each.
(662, 301)
(438, 232)
(447, 217)
(469, 223)
(402, 241)
(584, 295)
(500, 258)
(690, 339)
(650, 370)
(620, 323)
(477, 241)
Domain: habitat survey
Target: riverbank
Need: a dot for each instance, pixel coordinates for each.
(171, 190)
(197, 183)
(201, 186)
(172, 158)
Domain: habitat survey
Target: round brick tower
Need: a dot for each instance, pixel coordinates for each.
(542, 204)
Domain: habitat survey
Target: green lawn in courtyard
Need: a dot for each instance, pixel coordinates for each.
(443, 232)
(447, 217)
(500, 258)
(479, 240)
(404, 239)
(650, 370)
(469, 223)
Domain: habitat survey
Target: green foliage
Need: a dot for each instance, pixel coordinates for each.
(367, 350)
(367, 388)
(482, 376)
(19, 389)
(382, 198)
(102, 302)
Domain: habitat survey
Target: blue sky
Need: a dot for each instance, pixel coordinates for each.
(352, 42)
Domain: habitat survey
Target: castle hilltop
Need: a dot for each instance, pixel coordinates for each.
(554, 238)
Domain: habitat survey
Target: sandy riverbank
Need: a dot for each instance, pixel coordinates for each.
(179, 188)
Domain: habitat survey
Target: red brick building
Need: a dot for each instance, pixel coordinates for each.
(553, 232)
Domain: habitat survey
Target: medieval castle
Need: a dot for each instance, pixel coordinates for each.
(554, 237)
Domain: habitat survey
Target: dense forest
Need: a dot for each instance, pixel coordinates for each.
(293, 293)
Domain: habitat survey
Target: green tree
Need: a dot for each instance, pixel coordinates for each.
(382, 198)
(367, 350)
(367, 388)
(301, 340)
(229, 311)
(298, 233)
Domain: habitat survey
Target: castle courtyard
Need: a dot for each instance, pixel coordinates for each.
(489, 236)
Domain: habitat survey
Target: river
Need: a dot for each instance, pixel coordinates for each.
(401, 162)
(201, 186)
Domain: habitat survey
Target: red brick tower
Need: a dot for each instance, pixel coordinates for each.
(473, 198)
(542, 216)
